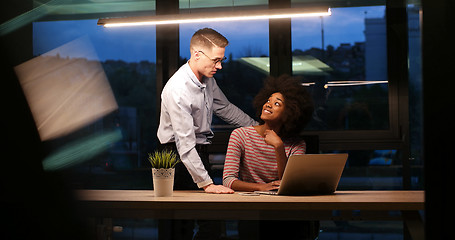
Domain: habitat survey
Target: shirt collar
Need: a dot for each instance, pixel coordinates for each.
(193, 77)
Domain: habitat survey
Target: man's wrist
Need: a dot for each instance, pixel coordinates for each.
(204, 183)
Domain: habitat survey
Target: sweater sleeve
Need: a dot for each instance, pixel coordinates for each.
(297, 148)
(233, 157)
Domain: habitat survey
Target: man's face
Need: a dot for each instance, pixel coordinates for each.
(207, 59)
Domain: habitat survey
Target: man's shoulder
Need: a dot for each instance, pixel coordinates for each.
(179, 76)
(177, 81)
(173, 86)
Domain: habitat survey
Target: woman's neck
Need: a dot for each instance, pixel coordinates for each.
(266, 126)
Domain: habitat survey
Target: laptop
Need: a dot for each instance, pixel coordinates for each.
(311, 174)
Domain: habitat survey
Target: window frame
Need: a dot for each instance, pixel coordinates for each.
(396, 137)
(393, 138)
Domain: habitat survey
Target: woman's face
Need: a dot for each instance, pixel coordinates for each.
(273, 109)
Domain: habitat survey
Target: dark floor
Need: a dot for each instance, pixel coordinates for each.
(330, 230)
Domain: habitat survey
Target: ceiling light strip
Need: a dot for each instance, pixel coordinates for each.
(353, 83)
(215, 17)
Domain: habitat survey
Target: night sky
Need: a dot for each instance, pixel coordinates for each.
(134, 44)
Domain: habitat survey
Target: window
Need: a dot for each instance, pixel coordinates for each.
(343, 60)
(187, 4)
(127, 57)
(415, 94)
(372, 170)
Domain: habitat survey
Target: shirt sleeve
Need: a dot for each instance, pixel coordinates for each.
(228, 112)
(192, 162)
(233, 158)
(298, 148)
(185, 138)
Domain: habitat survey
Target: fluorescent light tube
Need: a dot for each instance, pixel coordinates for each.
(241, 15)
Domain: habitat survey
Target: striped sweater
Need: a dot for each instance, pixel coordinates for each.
(249, 158)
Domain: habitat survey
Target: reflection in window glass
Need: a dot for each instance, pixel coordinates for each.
(239, 80)
(127, 56)
(415, 92)
(372, 170)
(188, 4)
(342, 59)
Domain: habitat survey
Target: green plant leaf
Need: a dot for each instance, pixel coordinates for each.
(163, 159)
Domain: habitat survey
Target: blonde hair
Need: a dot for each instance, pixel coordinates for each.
(208, 38)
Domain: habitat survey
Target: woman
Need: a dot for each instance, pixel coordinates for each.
(256, 156)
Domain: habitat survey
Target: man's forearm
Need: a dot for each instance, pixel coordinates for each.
(195, 167)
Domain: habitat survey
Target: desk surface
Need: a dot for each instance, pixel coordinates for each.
(181, 200)
(200, 205)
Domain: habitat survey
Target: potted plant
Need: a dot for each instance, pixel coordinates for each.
(163, 170)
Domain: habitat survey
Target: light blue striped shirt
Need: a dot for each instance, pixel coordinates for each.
(187, 106)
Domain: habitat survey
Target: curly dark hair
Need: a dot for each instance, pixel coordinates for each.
(298, 103)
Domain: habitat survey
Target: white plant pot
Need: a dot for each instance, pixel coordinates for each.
(163, 181)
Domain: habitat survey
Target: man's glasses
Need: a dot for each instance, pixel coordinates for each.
(216, 60)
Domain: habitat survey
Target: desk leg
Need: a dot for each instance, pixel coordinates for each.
(100, 228)
(164, 229)
(175, 229)
(413, 225)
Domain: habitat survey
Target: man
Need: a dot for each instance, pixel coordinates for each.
(188, 101)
